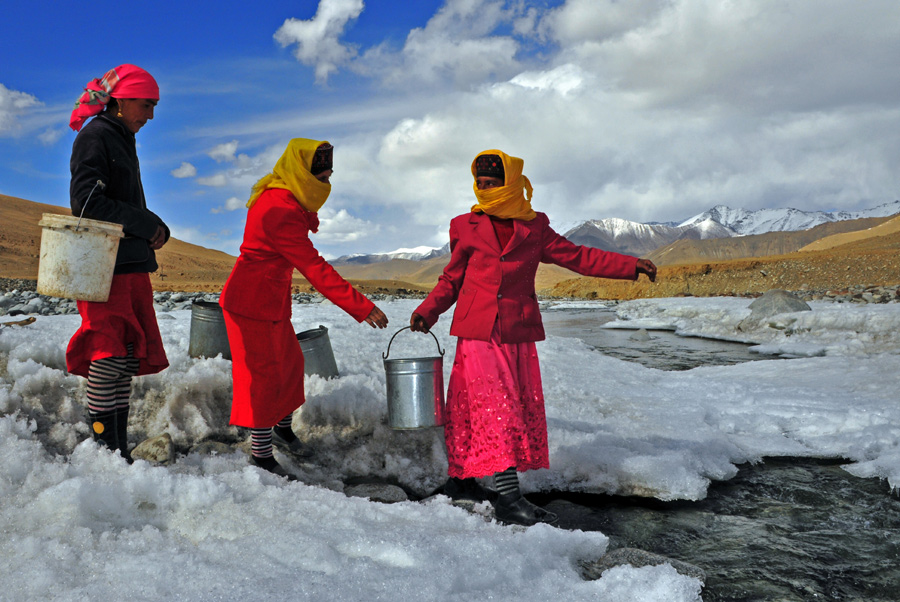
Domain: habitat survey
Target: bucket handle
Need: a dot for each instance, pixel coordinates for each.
(385, 355)
(83, 207)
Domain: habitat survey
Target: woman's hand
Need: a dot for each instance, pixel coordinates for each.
(417, 323)
(159, 239)
(376, 318)
(645, 266)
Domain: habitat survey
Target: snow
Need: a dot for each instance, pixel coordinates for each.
(748, 222)
(79, 523)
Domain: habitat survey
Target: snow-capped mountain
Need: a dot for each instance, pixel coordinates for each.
(761, 221)
(415, 254)
(634, 238)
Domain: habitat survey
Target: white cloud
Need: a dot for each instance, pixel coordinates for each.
(318, 39)
(224, 152)
(50, 136)
(14, 104)
(339, 226)
(185, 170)
(216, 181)
(232, 204)
(457, 45)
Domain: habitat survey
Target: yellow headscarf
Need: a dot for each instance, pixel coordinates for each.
(292, 173)
(513, 199)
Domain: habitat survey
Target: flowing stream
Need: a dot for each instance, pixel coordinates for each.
(786, 529)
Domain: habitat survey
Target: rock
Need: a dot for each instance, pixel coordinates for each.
(777, 302)
(211, 448)
(640, 335)
(772, 303)
(592, 570)
(159, 450)
(377, 492)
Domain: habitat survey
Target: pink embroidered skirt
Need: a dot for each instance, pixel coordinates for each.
(267, 370)
(106, 328)
(495, 409)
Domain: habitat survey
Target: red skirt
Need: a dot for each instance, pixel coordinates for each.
(266, 369)
(495, 409)
(107, 328)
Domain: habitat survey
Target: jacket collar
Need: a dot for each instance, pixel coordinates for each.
(484, 228)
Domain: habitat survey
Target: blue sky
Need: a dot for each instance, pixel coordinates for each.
(647, 110)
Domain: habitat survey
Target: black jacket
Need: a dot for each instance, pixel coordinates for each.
(105, 150)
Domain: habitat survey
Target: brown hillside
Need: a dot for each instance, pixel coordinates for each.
(873, 261)
(759, 245)
(183, 266)
(867, 237)
(870, 259)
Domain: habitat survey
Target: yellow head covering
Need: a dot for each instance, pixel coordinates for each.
(513, 199)
(292, 173)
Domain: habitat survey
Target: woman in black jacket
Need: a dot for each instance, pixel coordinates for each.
(119, 338)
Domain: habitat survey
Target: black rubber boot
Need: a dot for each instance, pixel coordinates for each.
(285, 438)
(103, 428)
(467, 490)
(516, 510)
(122, 433)
(271, 464)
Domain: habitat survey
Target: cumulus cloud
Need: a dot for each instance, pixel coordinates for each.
(459, 45)
(224, 152)
(13, 104)
(215, 181)
(232, 204)
(318, 39)
(340, 226)
(185, 170)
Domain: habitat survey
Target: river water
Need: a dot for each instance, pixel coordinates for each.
(786, 529)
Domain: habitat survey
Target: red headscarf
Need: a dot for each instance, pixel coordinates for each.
(125, 81)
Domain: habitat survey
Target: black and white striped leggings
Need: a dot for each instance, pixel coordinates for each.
(109, 382)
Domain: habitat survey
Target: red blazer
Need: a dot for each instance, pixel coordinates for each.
(488, 283)
(276, 240)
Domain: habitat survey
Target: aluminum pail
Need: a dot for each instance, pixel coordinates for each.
(318, 357)
(415, 389)
(209, 337)
(77, 258)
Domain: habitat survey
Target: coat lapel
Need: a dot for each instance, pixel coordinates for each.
(521, 231)
(484, 229)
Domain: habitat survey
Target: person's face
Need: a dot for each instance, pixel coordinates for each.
(325, 176)
(136, 112)
(485, 182)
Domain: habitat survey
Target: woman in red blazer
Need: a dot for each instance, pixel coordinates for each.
(267, 363)
(496, 423)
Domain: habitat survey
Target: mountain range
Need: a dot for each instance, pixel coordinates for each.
(652, 239)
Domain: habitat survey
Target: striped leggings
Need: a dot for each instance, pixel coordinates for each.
(261, 439)
(109, 383)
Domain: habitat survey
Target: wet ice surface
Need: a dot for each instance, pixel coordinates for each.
(784, 529)
(659, 349)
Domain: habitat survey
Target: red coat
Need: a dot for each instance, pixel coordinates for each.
(276, 240)
(488, 283)
(267, 362)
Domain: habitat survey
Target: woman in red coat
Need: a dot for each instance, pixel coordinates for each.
(267, 363)
(496, 423)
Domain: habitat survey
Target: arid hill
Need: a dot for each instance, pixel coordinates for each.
(183, 266)
(860, 252)
(759, 245)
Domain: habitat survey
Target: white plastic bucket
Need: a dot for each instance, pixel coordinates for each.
(77, 259)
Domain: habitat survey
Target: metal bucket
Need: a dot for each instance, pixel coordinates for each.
(77, 258)
(209, 337)
(415, 389)
(318, 358)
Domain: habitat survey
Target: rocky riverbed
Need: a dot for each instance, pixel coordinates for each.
(20, 298)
